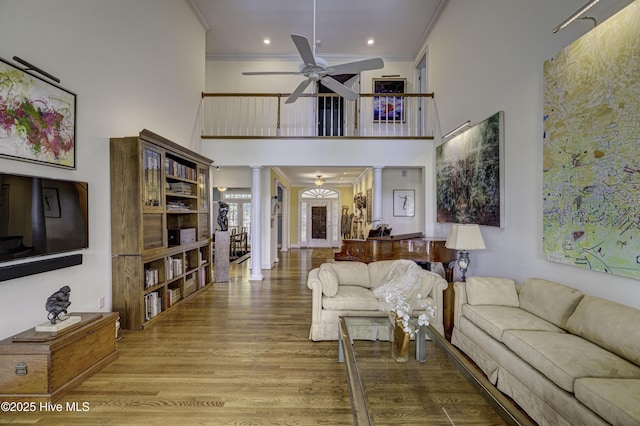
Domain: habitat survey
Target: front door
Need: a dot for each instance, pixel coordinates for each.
(319, 224)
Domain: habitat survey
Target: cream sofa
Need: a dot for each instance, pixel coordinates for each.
(566, 358)
(346, 289)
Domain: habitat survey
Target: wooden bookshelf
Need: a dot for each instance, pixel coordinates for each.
(160, 226)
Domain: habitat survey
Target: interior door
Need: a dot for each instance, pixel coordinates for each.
(331, 112)
(319, 229)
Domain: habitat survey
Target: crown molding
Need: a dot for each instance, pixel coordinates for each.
(196, 11)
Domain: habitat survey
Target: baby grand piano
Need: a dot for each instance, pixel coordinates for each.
(423, 250)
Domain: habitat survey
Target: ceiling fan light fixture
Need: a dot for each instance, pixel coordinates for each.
(319, 181)
(371, 42)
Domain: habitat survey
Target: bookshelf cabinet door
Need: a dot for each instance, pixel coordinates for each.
(152, 181)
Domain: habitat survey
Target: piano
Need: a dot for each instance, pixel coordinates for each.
(422, 250)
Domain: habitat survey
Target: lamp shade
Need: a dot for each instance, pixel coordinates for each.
(464, 237)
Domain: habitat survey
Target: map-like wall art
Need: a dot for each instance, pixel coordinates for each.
(591, 165)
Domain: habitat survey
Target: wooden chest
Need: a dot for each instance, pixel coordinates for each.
(42, 366)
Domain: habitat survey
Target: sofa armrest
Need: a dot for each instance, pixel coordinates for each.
(460, 299)
(437, 294)
(315, 284)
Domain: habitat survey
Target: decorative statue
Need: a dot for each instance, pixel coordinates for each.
(57, 304)
(345, 222)
(223, 221)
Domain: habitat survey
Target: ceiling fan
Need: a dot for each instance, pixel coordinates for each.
(317, 69)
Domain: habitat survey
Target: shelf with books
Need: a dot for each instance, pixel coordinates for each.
(157, 244)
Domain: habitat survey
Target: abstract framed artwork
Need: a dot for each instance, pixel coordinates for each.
(404, 202)
(469, 175)
(389, 108)
(591, 166)
(37, 119)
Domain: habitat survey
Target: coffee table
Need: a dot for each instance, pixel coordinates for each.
(446, 388)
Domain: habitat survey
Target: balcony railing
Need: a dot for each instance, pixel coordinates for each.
(265, 115)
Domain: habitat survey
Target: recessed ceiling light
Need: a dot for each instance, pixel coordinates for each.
(370, 41)
(266, 41)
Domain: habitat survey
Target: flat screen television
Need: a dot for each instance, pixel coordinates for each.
(41, 216)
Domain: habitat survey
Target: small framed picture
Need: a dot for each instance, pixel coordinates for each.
(403, 202)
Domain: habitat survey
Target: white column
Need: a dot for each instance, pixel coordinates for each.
(256, 228)
(377, 193)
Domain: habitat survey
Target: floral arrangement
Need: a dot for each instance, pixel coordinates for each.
(400, 309)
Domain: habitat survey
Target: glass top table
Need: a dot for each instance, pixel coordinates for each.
(437, 386)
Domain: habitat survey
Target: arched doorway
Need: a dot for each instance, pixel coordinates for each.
(319, 218)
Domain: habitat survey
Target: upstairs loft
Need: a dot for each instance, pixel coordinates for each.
(323, 115)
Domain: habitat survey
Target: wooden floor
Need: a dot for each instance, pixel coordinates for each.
(238, 354)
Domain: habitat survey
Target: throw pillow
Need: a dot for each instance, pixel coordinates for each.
(329, 280)
(492, 291)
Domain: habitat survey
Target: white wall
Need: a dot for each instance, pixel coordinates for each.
(134, 65)
(226, 76)
(486, 57)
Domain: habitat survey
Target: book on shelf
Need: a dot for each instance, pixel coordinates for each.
(180, 188)
(203, 275)
(152, 304)
(150, 277)
(177, 205)
(173, 296)
(174, 267)
(189, 284)
(174, 168)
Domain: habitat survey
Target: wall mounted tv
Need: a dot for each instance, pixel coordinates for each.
(40, 216)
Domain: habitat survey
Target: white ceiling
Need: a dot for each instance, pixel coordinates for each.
(237, 28)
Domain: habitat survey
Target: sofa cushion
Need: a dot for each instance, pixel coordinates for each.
(494, 320)
(615, 400)
(351, 298)
(492, 291)
(608, 324)
(563, 357)
(351, 273)
(551, 301)
(329, 280)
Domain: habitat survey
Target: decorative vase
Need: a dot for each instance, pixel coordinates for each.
(400, 339)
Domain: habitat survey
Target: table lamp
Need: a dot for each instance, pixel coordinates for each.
(464, 238)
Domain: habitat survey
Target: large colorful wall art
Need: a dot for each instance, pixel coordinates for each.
(469, 174)
(591, 165)
(37, 119)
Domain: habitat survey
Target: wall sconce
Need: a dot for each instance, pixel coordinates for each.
(457, 129)
(319, 181)
(464, 238)
(575, 15)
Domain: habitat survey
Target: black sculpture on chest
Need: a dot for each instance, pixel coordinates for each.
(57, 304)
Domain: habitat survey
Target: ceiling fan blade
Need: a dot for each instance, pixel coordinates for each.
(356, 67)
(271, 73)
(304, 49)
(340, 88)
(296, 93)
